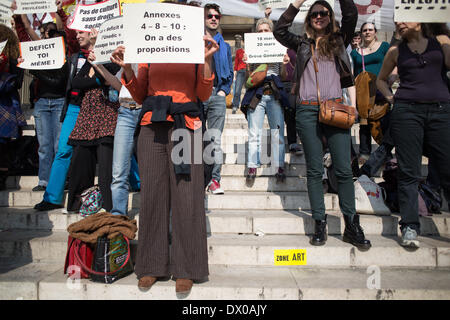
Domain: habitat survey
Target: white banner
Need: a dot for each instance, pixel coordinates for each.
(380, 11)
(273, 4)
(2, 46)
(91, 16)
(35, 6)
(109, 38)
(163, 33)
(422, 11)
(263, 48)
(43, 54)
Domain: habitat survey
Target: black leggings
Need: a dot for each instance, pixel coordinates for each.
(82, 175)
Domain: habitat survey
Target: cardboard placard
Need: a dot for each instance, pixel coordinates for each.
(263, 48)
(163, 33)
(35, 6)
(422, 11)
(5, 13)
(43, 54)
(91, 16)
(109, 37)
(2, 46)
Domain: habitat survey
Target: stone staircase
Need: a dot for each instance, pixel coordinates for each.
(245, 226)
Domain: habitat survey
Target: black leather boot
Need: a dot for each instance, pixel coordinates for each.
(320, 234)
(354, 234)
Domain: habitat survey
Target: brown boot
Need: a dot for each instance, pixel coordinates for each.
(145, 283)
(183, 286)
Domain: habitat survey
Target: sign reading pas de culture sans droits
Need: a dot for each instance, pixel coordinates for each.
(163, 33)
(35, 6)
(42, 54)
(90, 16)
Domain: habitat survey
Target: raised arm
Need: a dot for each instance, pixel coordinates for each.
(281, 31)
(349, 20)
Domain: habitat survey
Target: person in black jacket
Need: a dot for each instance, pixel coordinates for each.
(51, 85)
(325, 42)
(82, 77)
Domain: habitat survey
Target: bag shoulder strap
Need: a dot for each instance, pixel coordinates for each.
(316, 69)
(86, 268)
(362, 56)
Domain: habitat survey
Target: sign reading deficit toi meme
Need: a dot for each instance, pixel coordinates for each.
(109, 37)
(35, 6)
(43, 54)
(263, 48)
(163, 33)
(91, 16)
(422, 11)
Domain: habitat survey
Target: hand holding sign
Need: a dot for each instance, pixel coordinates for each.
(211, 47)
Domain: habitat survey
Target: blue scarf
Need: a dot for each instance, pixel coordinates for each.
(221, 59)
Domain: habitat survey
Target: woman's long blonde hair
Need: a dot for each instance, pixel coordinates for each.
(11, 49)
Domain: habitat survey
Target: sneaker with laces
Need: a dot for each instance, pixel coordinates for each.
(214, 187)
(251, 175)
(409, 238)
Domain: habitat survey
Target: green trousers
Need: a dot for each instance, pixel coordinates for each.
(339, 143)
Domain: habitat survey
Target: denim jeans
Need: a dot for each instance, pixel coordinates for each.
(255, 118)
(55, 188)
(123, 150)
(414, 126)
(215, 110)
(240, 79)
(47, 113)
(339, 143)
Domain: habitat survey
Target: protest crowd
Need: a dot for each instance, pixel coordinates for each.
(116, 121)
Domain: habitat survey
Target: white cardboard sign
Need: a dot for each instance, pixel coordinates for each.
(163, 33)
(263, 4)
(2, 46)
(43, 54)
(263, 48)
(109, 37)
(90, 16)
(422, 11)
(35, 6)
(5, 13)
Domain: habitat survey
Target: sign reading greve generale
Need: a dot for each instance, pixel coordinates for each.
(263, 48)
(42, 54)
(90, 16)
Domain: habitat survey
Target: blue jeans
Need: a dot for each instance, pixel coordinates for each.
(46, 116)
(255, 118)
(123, 149)
(240, 79)
(55, 188)
(215, 110)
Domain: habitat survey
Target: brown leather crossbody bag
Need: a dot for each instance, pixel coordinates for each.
(331, 112)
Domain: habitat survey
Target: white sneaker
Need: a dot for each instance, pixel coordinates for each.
(214, 187)
(409, 238)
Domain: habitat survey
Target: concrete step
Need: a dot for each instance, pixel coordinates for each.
(46, 282)
(229, 200)
(262, 222)
(51, 247)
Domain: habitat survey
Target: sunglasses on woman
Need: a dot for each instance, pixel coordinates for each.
(316, 14)
(217, 16)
